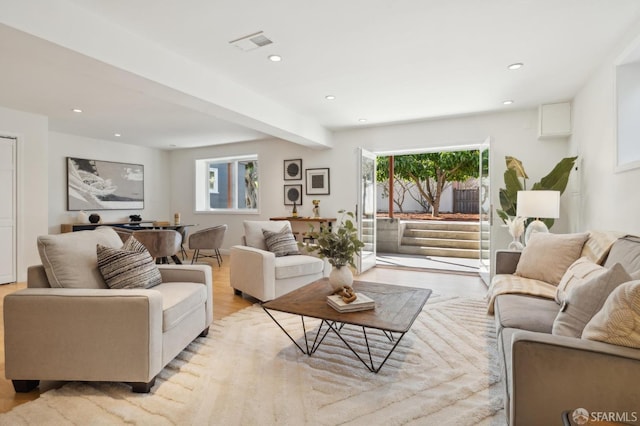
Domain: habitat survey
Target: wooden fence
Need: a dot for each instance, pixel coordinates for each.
(466, 200)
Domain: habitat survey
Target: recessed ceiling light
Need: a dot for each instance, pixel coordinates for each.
(275, 58)
(78, 110)
(330, 97)
(515, 66)
(117, 135)
(362, 120)
(508, 102)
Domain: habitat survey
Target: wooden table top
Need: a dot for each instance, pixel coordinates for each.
(396, 306)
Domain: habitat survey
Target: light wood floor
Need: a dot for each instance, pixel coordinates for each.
(226, 303)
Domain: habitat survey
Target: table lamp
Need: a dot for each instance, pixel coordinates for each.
(538, 204)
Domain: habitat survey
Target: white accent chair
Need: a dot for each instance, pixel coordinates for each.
(257, 272)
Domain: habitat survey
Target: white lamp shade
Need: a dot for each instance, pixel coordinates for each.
(539, 204)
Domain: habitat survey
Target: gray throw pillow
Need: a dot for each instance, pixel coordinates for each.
(281, 243)
(129, 267)
(584, 301)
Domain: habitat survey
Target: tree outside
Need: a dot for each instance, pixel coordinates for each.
(429, 174)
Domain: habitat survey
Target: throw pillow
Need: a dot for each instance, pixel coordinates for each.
(598, 245)
(129, 267)
(626, 251)
(548, 256)
(69, 259)
(578, 273)
(253, 236)
(584, 301)
(281, 243)
(618, 322)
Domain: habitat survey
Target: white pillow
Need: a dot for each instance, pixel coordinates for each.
(70, 259)
(548, 256)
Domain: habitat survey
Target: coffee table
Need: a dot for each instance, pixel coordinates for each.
(396, 309)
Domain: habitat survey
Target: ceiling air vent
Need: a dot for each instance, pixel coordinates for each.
(252, 41)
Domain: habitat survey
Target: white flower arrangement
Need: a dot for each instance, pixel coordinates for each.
(516, 226)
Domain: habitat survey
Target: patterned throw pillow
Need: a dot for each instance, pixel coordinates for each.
(618, 322)
(580, 271)
(129, 267)
(281, 243)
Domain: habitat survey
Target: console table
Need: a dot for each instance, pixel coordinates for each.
(318, 220)
(71, 227)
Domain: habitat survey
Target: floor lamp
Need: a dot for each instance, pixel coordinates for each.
(538, 204)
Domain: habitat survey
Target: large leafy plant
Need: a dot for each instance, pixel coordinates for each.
(556, 180)
(338, 244)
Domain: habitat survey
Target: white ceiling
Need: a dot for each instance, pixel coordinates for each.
(384, 60)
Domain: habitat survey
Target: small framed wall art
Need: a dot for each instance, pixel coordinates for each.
(293, 169)
(317, 181)
(292, 194)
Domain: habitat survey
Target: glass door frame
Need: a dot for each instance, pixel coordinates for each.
(366, 209)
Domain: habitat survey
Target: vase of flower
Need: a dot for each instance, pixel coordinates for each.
(516, 229)
(338, 245)
(340, 277)
(515, 244)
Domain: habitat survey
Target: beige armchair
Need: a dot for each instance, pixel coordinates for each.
(259, 273)
(68, 325)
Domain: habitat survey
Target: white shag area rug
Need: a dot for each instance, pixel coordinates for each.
(247, 372)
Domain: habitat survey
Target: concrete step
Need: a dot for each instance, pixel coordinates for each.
(441, 242)
(442, 225)
(437, 238)
(440, 251)
(431, 233)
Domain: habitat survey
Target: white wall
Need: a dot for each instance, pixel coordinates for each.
(512, 133)
(271, 154)
(410, 204)
(31, 131)
(157, 177)
(608, 199)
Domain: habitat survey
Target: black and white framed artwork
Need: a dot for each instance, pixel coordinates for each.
(317, 181)
(293, 169)
(104, 185)
(292, 194)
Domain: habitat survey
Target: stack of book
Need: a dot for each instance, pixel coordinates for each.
(362, 303)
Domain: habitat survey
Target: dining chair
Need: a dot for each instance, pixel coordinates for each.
(162, 244)
(208, 239)
(184, 234)
(123, 233)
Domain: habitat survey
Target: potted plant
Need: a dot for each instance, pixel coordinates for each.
(338, 245)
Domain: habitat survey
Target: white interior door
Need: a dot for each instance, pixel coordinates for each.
(486, 212)
(366, 209)
(7, 210)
